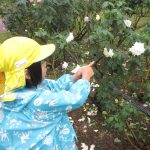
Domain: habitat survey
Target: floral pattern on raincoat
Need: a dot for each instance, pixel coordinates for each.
(37, 119)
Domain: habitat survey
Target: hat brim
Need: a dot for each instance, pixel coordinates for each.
(46, 50)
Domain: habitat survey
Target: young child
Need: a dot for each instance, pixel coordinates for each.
(33, 110)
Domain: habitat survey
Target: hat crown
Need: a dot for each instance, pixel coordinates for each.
(18, 53)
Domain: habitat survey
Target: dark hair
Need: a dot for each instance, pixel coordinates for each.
(35, 72)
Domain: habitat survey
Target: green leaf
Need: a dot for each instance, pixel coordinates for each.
(107, 4)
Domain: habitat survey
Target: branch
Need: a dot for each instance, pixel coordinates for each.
(72, 55)
(138, 18)
(81, 34)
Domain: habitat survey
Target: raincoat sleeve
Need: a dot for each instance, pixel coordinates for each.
(63, 83)
(65, 101)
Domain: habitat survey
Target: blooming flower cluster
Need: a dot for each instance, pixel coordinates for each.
(65, 65)
(137, 49)
(108, 53)
(128, 23)
(70, 37)
(97, 17)
(86, 19)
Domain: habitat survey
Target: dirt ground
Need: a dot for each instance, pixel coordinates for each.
(91, 131)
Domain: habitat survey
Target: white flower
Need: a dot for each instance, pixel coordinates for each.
(116, 100)
(76, 69)
(124, 65)
(137, 49)
(145, 105)
(97, 17)
(86, 19)
(92, 147)
(87, 53)
(84, 146)
(40, 1)
(70, 37)
(108, 53)
(65, 65)
(127, 23)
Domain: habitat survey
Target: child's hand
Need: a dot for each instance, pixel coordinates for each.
(87, 72)
(78, 74)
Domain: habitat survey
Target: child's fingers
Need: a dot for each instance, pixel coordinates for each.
(91, 63)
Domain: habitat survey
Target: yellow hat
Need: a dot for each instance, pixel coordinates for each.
(16, 54)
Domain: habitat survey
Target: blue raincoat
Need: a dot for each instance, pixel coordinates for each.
(37, 119)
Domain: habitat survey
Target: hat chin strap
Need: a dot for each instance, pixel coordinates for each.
(2, 82)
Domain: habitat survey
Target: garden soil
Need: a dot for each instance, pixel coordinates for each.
(91, 131)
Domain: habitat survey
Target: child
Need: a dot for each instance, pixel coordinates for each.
(33, 110)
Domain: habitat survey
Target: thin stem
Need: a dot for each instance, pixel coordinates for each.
(72, 55)
(129, 127)
(129, 140)
(53, 64)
